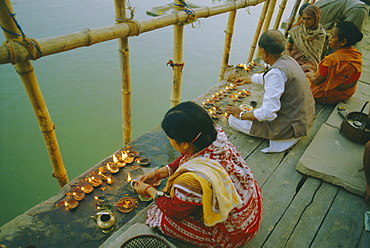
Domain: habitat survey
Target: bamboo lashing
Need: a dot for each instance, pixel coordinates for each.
(292, 16)
(228, 38)
(280, 13)
(25, 70)
(266, 25)
(258, 30)
(178, 34)
(124, 56)
(88, 37)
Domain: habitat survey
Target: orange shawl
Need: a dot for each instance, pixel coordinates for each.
(341, 65)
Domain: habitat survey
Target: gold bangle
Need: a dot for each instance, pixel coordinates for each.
(147, 187)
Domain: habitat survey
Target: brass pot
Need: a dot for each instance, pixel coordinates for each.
(105, 220)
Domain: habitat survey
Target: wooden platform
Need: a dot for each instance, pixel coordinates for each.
(298, 210)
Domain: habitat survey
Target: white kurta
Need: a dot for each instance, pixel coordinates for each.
(274, 86)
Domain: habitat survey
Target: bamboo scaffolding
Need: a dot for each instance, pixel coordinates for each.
(227, 46)
(258, 30)
(88, 37)
(178, 37)
(266, 25)
(280, 13)
(26, 72)
(292, 16)
(124, 56)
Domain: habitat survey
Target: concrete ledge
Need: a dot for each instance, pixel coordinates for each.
(333, 157)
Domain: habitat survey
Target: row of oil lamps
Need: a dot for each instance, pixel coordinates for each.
(104, 174)
(215, 110)
(247, 67)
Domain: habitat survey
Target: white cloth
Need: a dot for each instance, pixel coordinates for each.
(280, 145)
(274, 86)
(244, 126)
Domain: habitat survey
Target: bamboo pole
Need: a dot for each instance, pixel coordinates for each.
(124, 55)
(292, 16)
(178, 34)
(258, 30)
(266, 25)
(27, 74)
(280, 13)
(228, 38)
(88, 37)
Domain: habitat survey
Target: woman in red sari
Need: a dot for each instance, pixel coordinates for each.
(339, 72)
(211, 198)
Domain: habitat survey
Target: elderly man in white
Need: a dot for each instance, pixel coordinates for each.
(288, 108)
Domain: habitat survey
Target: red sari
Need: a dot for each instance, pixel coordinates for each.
(342, 67)
(181, 216)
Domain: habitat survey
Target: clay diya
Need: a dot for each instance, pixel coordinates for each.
(246, 107)
(126, 158)
(117, 163)
(133, 154)
(100, 200)
(126, 204)
(206, 105)
(215, 97)
(210, 101)
(88, 188)
(142, 161)
(78, 195)
(71, 204)
(112, 168)
(95, 180)
(105, 174)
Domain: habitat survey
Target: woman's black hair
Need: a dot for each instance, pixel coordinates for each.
(272, 41)
(350, 32)
(186, 121)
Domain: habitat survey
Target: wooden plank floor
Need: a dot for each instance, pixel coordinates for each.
(301, 211)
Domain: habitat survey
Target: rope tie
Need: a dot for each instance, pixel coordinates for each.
(32, 46)
(170, 63)
(188, 11)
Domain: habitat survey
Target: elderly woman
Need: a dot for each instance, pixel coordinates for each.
(339, 72)
(307, 39)
(211, 198)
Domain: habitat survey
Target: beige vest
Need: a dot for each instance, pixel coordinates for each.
(297, 110)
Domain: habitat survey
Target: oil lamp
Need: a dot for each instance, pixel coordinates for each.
(113, 168)
(95, 180)
(88, 188)
(71, 204)
(78, 195)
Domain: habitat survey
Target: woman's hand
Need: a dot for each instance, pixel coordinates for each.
(140, 187)
(243, 80)
(233, 110)
(150, 177)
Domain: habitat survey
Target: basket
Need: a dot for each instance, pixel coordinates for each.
(359, 133)
(146, 241)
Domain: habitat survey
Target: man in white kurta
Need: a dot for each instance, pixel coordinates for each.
(287, 110)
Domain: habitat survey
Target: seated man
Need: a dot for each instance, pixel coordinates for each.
(288, 108)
